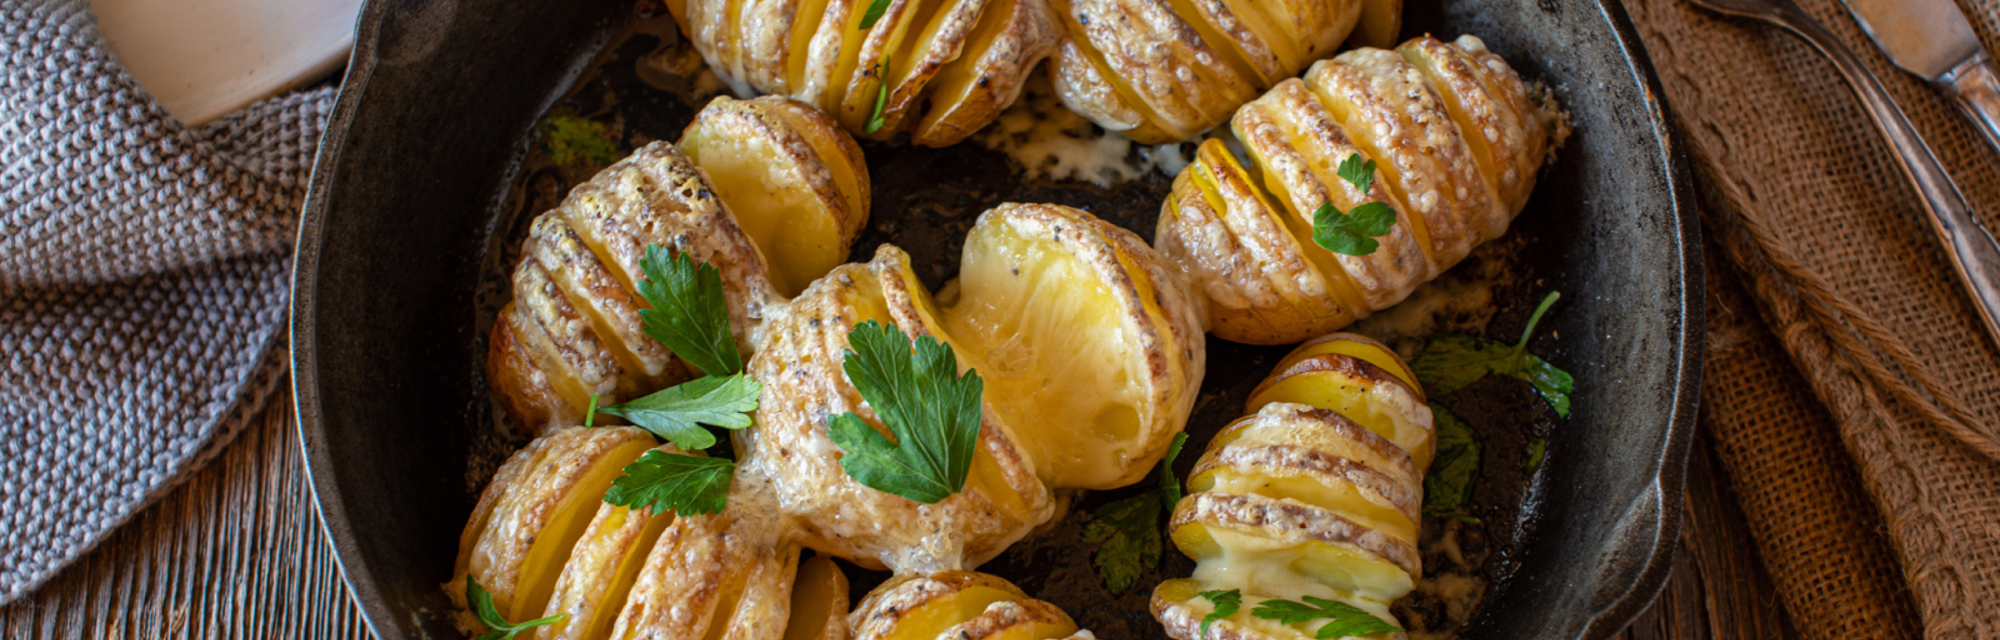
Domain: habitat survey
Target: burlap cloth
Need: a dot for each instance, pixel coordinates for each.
(1864, 469)
(143, 282)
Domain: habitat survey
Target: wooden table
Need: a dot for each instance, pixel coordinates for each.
(238, 553)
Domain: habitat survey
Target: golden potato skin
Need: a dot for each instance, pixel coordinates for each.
(1457, 144)
(573, 327)
(956, 605)
(1328, 507)
(1155, 70)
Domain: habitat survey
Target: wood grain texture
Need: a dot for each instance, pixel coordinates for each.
(238, 553)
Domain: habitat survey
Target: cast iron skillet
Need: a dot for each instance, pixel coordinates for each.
(411, 190)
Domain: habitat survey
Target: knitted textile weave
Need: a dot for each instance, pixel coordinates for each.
(143, 282)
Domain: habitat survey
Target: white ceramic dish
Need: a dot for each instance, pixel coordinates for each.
(205, 58)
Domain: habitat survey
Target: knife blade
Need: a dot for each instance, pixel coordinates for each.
(1925, 37)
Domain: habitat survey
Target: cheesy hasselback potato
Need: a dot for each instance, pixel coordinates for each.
(542, 542)
(1457, 143)
(1157, 70)
(768, 191)
(958, 605)
(1317, 492)
(1091, 352)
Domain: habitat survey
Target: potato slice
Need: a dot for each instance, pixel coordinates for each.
(1357, 346)
(1380, 24)
(1011, 37)
(819, 601)
(780, 185)
(1359, 391)
(601, 570)
(531, 515)
(1081, 338)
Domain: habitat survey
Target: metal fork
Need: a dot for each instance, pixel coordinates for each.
(1974, 254)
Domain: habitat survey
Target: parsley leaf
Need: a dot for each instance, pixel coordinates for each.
(933, 412)
(684, 483)
(676, 413)
(874, 123)
(874, 14)
(1129, 531)
(1452, 361)
(1448, 484)
(1346, 619)
(498, 628)
(1353, 232)
(1537, 450)
(1170, 486)
(689, 314)
(1227, 602)
(1356, 172)
(574, 141)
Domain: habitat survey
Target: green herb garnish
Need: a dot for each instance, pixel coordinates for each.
(1452, 361)
(1129, 529)
(931, 410)
(1537, 450)
(574, 141)
(881, 97)
(677, 412)
(1448, 484)
(1346, 619)
(684, 483)
(689, 314)
(590, 414)
(874, 13)
(1353, 232)
(1227, 603)
(497, 627)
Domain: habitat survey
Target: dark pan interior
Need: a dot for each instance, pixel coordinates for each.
(413, 186)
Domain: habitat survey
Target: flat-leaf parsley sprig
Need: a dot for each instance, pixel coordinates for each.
(1343, 619)
(690, 316)
(1128, 530)
(1452, 361)
(932, 411)
(1227, 602)
(1353, 232)
(497, 627)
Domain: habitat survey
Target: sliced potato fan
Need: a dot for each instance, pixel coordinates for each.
(958, 605)
(1157, 70)
(1313, 494)
(768, 191)
(1456, 142)
(1090, 355)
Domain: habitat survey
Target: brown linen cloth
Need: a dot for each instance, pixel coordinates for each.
(1865, 504)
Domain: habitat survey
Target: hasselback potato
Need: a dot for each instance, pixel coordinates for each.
(768, 191)
(1049, 299)
(1157, 70)
(543, 543)
(1457, 141)
(1317, 492)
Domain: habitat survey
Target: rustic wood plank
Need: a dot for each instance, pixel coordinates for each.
(237, 552)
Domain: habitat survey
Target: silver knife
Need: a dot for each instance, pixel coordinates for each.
(1930, 38)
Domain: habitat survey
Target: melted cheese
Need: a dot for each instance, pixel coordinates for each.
(1050, 142)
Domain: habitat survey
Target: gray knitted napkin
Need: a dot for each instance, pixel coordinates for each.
(143, 282)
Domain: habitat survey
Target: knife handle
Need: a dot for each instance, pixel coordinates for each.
(1972, 252)
(1976, 85)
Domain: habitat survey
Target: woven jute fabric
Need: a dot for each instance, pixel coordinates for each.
(1866, 468)
(143, 281)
